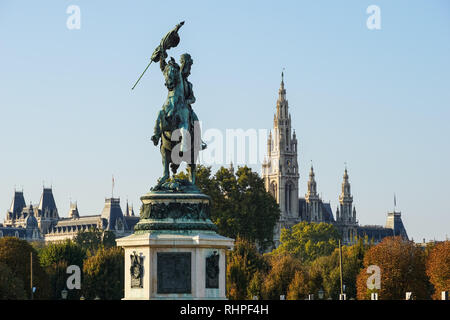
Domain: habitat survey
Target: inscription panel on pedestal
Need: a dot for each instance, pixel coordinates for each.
(173, 272)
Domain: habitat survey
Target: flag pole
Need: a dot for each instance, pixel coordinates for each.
(142, 75)
(112, 187)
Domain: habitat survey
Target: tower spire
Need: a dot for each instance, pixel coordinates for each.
(280, 171)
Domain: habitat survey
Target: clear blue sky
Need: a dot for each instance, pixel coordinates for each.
(376, 99)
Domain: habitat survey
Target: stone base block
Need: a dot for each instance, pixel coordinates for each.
(175, 266)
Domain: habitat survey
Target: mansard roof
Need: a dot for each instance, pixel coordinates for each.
(47, 201)
(112, 212)
(18, 203)
(374, 232)
(394, 222)
(83, 223)
(31, 232)
(327, 212)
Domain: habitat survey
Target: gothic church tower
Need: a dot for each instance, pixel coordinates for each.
(313, 201)
(346, 213)
(280, 169)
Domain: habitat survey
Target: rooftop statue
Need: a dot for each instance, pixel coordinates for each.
(177, 128)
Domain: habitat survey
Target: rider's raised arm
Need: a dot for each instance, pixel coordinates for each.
(162, 64)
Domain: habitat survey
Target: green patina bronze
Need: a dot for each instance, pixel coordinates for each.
(177, 129)
(175, 205)
(178, 212)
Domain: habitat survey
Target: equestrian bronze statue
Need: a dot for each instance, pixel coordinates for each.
(177, 128)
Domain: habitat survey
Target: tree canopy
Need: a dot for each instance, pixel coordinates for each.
(438, 268)
(94, 239)
(104, 275)
(308, 240)
(55, 257)
(15, 254)
(240, 205)
(243, 262)
(67, 250)
(11, 287)
(402, 266)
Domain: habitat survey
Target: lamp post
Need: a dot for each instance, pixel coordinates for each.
(340, 267)
(320, 293)
(64, 293)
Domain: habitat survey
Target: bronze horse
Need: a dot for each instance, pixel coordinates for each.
(175, 126)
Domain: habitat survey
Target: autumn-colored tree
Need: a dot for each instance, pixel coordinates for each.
(308, 240)
(242, 263)
(11, 287)
(300, 287)
(255, 286)
(281, 274)
(402, 266)
(15, 254)
(104, 274)
(438, 268)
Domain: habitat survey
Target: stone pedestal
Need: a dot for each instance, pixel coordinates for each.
(175, 252)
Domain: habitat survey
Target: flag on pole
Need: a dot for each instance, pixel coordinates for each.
(112, 192)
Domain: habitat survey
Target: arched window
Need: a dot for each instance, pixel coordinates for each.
(16, 234)
(273, 190)
(288, 196)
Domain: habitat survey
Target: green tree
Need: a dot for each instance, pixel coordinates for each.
(66, 250)
(15, 254)
(94, 239)
(242, 263)
(55, 257)
(11, 287)
(104, 274)
(240, 205)
(325, 271)
(308, 241)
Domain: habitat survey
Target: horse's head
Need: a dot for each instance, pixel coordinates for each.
(172, 74)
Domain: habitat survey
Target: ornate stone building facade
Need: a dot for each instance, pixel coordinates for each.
(43, 223)
(280, 172)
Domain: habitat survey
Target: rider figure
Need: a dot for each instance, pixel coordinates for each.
(167, 110)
